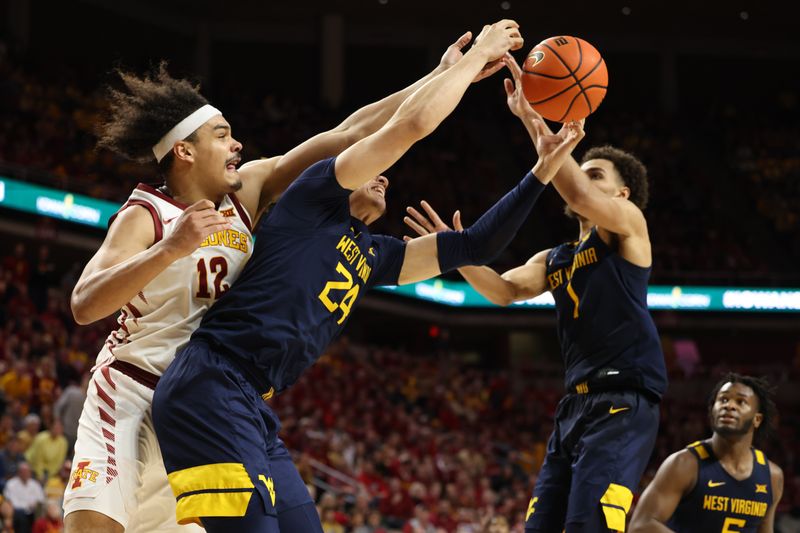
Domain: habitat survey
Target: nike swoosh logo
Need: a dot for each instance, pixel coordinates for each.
(613, 411)
(169, 220)
(712, 484)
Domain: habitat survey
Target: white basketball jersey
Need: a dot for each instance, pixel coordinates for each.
(158, 322)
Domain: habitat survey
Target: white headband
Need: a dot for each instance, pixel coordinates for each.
(183, 129)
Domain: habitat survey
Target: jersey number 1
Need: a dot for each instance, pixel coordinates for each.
(219, 266)
(347, 285)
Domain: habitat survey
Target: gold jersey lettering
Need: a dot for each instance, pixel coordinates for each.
(230, 238)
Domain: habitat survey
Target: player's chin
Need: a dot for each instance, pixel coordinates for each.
(234, 180)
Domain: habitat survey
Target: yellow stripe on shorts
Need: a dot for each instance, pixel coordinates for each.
(616, 503)
(195, 490)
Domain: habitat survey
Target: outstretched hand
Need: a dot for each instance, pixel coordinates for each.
(515, 97)
(455, 52)
(554, 149)
(432, 223)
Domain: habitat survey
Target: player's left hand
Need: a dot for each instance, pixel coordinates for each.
(554, 149)
(515, 97)
(454, 53)
(432, 223)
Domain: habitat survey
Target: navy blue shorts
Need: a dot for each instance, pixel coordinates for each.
(226, 465)
(598, 451)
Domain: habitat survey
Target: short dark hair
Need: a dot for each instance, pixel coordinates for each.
(763, 390)
(631, 170)
(144, 111)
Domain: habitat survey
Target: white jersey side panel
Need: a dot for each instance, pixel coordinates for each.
(158, 322)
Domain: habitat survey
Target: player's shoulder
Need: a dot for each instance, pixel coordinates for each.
(539, 258)
(680, 470)
(775, 472)
(687, 458)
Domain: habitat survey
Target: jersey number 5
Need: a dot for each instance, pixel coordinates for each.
(347, 285)
(731, 523)
(219, 266)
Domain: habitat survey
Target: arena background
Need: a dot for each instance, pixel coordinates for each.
(426, 415)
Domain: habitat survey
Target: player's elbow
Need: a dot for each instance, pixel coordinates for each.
(81, 310)
(414, 126)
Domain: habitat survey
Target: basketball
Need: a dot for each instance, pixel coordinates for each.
(564, 78)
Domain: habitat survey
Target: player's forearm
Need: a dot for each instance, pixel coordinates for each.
(429, 105)
(489, 284)
(106, 291)
(482, 242)
(570, 181)
(372, 117)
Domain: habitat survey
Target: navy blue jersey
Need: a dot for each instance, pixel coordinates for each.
(608, 338)
(718, 501)
(311, 262)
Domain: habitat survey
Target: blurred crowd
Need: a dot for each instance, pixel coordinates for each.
(388, 440)
(717, 201)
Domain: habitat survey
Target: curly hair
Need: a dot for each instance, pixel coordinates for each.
(631, 170)
(766, 404)
(145, 111)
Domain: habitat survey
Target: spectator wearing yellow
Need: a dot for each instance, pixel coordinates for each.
(48, 451)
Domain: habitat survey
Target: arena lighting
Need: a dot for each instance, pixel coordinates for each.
(55, 203)
(63, 205)
(659, 297)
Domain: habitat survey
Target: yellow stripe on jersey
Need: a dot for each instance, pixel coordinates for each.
(699, 449)
(213, 477)
(760, 457)
(616, 502)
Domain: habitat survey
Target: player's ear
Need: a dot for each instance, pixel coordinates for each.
(624, 192)
(184, 151)
(757, 420)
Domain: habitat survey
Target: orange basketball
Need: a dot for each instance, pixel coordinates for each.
(564, 78)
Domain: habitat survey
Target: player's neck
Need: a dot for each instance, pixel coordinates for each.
(188, 190)
(584, 226)
(734, 449)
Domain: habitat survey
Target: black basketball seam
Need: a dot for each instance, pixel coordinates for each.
(570, 106)
(580, 62)
(532, 73)
(577, 82)
(572, 72)
(562, 91)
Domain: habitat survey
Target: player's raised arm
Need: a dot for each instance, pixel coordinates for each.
(675, 478)
(483, 241)
(128, 260)
(616, 214)
(423, 111)
(264, 180)
(515, 285)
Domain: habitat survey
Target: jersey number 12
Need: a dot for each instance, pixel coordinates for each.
(219, 266)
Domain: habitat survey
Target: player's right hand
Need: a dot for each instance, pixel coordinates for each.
(197, 222)
(431, 224)
(499, 38)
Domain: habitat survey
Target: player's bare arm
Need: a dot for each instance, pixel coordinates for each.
(265, 180)
(129, 257)
(675, 478)
(518, 284)
(776, 475)
(425, 109)
(423, 259)
(616, 215)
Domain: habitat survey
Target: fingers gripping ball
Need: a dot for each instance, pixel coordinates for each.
(564, 78)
